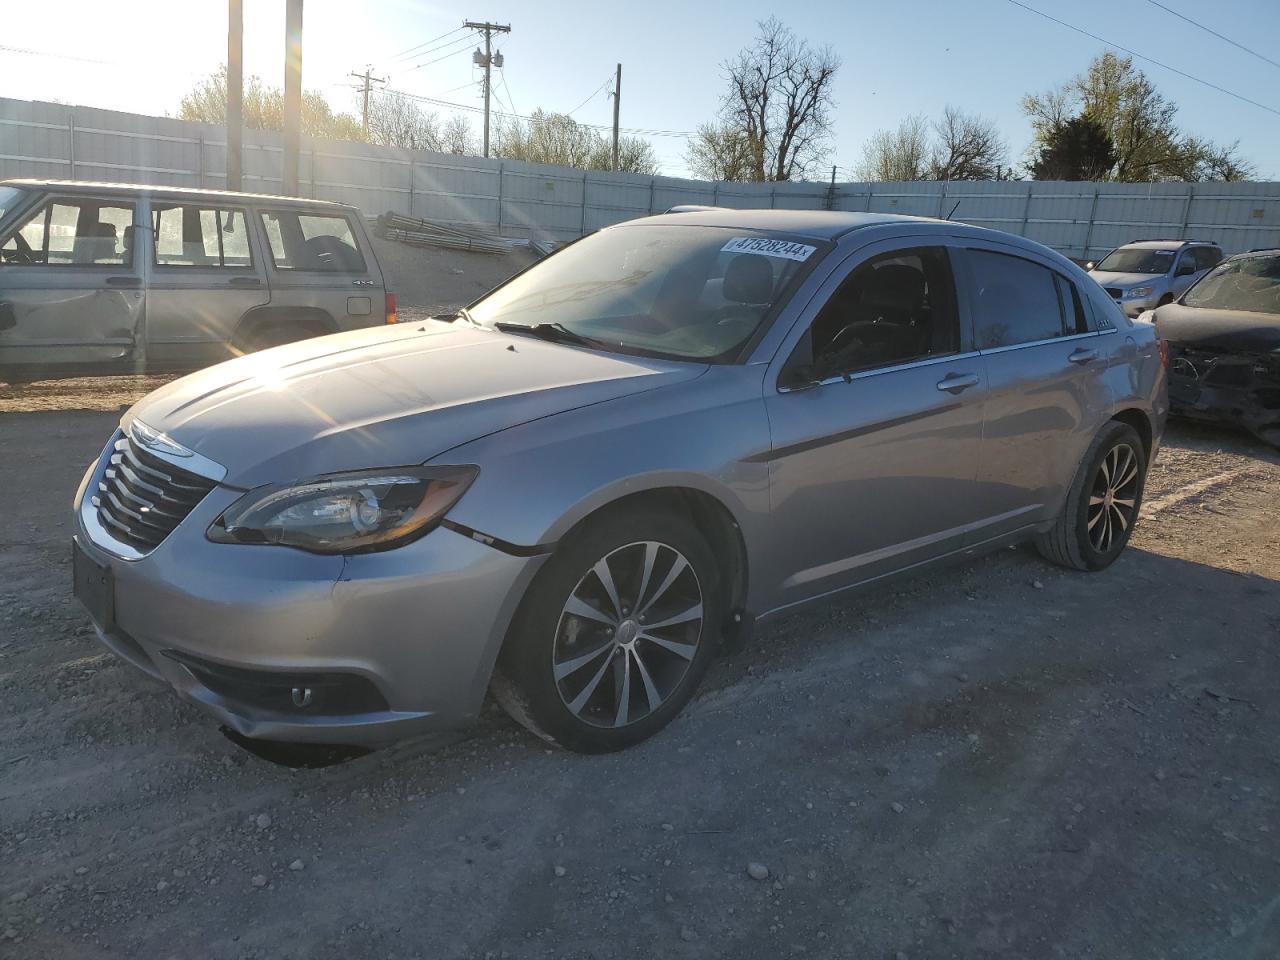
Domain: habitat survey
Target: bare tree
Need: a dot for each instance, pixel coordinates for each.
(966, 147)
(395, 120)
(719, 152)
(901, 154)
(557, 138)
(779, 100)
(457, 137)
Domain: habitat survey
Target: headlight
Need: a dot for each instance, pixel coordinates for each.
(345, 512)
(1134, 292)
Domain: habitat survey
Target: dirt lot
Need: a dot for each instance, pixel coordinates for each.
(1001, 759)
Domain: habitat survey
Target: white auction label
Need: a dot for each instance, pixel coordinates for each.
(769, 248)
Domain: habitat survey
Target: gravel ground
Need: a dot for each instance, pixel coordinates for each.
(998, 759)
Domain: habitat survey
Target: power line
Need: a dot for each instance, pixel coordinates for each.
(502, 75)
(1197, 23)
(639, 131)
(419, 66)
(1151, 60)
(425, 43)
(607, 80)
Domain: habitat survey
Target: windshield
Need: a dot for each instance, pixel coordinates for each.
(1247, 283)
(9, 197)
(695, 293)
(1137, 260)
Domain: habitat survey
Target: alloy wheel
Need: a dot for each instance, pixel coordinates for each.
(628, 634)
(1113, 497)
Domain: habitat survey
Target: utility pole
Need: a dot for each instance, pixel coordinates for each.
(292, 95)
(617, 99)
(235, 90)
(487, 59)
(368, 78)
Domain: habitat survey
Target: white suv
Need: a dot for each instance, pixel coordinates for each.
(1147, 274)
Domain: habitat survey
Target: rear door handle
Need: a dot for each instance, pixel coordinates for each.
(245, 282)
(124, 281)
(1083, 355)
(956, 382)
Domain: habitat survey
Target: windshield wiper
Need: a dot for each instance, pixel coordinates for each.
(555, 332)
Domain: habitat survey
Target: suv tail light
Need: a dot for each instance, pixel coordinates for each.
(1163, 346)
(391, 308)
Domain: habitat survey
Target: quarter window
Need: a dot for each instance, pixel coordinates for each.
(75, 233)
(1207, 257)
(194, 236)
(312, 243)
(1017, 301)
(893, 309)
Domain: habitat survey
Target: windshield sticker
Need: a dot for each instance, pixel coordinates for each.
(769, 248)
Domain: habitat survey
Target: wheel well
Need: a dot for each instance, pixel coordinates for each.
(712, 519)
(1141, 423)
(255, 321)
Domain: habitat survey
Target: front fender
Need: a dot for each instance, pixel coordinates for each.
(539, 479)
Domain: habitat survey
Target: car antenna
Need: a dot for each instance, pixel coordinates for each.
(953, 210)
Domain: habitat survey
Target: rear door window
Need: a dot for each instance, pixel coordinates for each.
(188, 235)
(1017, 301)
(312, 243)
(73, 232)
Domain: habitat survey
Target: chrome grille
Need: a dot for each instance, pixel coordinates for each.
(142, 498)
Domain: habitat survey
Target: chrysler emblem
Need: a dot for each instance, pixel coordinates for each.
(155, 440)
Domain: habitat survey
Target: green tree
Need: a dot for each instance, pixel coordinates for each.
(1140, 120)
(1078, 148)
(263, 108)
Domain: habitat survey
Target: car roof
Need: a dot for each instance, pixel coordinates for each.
(136, 189)
(817, 224)
(1164, 244)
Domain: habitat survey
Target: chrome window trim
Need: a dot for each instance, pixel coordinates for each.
(1039, 343)
(878, 371)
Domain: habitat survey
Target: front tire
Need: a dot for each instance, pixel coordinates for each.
(1103, 503)
(615, 633)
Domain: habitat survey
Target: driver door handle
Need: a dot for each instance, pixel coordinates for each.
(957, 382)
(1083, 355)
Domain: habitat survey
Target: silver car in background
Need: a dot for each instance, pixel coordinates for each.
(1146, 274)
(119, 278)
(640, 447)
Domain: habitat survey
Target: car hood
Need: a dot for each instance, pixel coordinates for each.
(1231, 331)
(389, 396)
(1109, 279)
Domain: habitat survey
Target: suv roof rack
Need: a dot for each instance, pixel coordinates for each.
(1183, 242)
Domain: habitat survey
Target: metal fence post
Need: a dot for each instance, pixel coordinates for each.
(715, 193)
(773, 195)
(1088, 231)
(870, 191)
(942, 198)
(71, 143)
(501, 167)
(652, 181)
(1026, 209)
(412, 178)
(583, 231)
(1186, 210)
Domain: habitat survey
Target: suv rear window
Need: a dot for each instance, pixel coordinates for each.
(195, 236)
(312, 242)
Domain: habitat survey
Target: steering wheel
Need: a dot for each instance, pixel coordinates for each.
(24, 253)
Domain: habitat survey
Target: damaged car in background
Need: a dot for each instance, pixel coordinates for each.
(1224, 345)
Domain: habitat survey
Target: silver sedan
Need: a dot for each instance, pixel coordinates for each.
(577, 490)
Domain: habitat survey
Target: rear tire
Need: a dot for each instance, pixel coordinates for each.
(615, 633)
(1103, 503)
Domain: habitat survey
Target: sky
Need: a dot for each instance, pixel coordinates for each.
(899, 58)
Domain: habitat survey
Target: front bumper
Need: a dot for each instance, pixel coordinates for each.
(1241, 388)
(419, 626)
